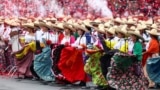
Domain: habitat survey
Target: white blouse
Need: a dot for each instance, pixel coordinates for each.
(29, 38)
(119, 44)
(80, 40)
(130, 45)
(65, 39)
(39, 35)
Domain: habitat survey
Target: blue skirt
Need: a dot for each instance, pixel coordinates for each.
(153, 69)
(43, 65)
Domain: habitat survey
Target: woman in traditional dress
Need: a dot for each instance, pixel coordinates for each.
(25, 56)
(67, 38)
(92, 66)
(42, 60)
(108, 45)
(125, 72)
(71, 60)
(151, 52)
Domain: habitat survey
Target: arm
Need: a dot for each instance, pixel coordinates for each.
(138, 51)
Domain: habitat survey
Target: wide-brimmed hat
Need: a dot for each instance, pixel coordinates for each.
(29, 25)
(131, 21)
(81, 27)
(100, 28)
(108, 23)
(12, 23)
(96, 22)
(141, 26)
(136, 33)
(58, 26)
(45, 24)
(36, 23)
(111, 30)
(149, 22)
(87, 23)
(132, 28)
(118, 20)
(153, 32)
(68, 26)
(154, 26)
(122, 29)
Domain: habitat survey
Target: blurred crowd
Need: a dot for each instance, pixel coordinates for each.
(77, 8)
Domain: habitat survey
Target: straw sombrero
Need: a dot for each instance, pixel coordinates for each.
(81, 27)
(68, 26)
(108, 23)
(154, 26)
(118, 20)
(36, 23)
(58, 26)
(149, 22)
(44, 24)
(136, 33)
(141, 26)
(130, 21)
(12, 23)
(29, 25)
(111, 30)
(100, 28)
(87, 23)
(96, 22)
(132, 28)
(153, 32)
(122, 29)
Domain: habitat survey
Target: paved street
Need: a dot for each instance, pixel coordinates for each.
(14, 84)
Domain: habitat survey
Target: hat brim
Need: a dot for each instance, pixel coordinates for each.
(133, 33)
(44, 25)
(57, 27)
(113, 33)
(81, 28)
(68, 27)
(28, 26)
(120, 31)
(97, 29)
(155, 34)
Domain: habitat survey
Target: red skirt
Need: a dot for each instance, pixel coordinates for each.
(71, 64)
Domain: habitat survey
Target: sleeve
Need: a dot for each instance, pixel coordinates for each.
(138, 51)
(152, 47)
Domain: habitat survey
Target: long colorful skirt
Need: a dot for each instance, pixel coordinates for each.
(153, 69)
(71, 65)
(43, 65)
(93, 68)
(24, 64)
(56, 58)
(128, 79)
